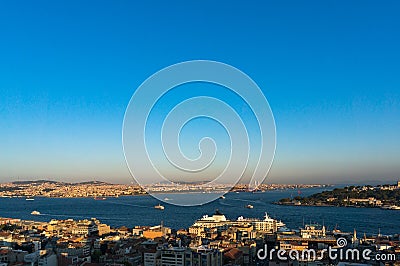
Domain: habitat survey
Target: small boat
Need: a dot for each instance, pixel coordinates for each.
(159, 207)
(96, 198)
(249, 206)
(222, 197)
(166, 199)
(35, 213)
(29, 199)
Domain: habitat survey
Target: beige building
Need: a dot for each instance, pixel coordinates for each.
(311, 231)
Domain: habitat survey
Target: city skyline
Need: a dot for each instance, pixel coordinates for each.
(329, 72)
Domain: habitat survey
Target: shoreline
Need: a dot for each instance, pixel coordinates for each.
(159, 193)
(328, 205)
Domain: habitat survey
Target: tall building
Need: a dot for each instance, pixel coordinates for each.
(180, 256)
(203, 256)
(174, 256)
(49, 259)
(151, 253)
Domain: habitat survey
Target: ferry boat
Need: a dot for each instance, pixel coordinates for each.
(249, 206)
(159, 207)
(35, 213)
(392, 207)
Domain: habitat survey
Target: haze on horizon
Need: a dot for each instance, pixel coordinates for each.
(330, 71)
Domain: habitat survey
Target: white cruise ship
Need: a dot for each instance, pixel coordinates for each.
(268, 224)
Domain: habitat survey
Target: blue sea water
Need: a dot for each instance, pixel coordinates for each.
(139, 210)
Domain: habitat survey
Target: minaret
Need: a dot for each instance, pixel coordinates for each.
(354, 239)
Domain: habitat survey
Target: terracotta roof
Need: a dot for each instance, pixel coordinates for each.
(3, 251)
(233, 253)
(5, 233)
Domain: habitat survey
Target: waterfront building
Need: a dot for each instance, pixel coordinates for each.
(369, 201)
(103, 229)
(156, 231)
(151, 232)
(85, 227)
(9, 221)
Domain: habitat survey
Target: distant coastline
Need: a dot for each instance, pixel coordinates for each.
(97, 189)
(367, 196)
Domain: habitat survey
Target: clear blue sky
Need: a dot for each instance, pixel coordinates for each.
(330, 70)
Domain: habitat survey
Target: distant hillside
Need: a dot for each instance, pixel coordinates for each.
(38, 182)
(92, 183)
(27, 182)
(366, 196)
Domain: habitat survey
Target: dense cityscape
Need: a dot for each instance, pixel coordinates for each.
(211, 240)
(55, 189)
(200, 133)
